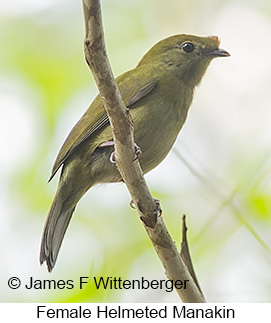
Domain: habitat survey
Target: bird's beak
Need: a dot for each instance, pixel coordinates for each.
(219, 53)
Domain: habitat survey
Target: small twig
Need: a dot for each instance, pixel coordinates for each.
(185, 254)
(129, 168)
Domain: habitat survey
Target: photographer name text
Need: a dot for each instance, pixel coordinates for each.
(99, 283)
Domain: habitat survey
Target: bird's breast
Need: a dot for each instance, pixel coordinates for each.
(156, 129)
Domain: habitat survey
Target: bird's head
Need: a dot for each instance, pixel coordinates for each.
(186, 55)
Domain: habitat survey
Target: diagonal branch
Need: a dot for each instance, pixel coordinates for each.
(122, 127)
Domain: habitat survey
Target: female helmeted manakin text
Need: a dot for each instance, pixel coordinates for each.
(158, 93)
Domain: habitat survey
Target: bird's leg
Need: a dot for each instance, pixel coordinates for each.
(112, 157)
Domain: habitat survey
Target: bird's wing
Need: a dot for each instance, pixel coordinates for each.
(133, 86)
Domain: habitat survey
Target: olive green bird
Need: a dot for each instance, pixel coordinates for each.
(158, 93)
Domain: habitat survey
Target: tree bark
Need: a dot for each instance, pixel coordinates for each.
(122, 127)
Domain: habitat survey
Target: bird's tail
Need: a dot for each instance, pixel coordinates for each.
(55, 227)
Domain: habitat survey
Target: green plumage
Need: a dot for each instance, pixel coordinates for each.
(158, 93)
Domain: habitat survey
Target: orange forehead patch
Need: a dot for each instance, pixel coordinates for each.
(216, 39)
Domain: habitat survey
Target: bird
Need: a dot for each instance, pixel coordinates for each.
(158, 93)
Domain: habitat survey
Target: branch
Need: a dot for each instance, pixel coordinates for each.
(185, 254)
(129, 168)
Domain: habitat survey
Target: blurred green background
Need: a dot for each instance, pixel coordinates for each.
(218, 173)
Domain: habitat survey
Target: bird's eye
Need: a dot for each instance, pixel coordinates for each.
(188, 47)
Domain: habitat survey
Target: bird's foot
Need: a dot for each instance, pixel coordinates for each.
(150, 221)
(109, 143)
(112, 157)
(138, 152)
(158, 210)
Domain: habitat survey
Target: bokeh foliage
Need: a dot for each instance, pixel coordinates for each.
(218, 174)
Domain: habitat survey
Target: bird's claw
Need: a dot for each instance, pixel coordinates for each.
(109, 143)
(150, 220)
(138, 152)
(112, 157)
(158, 211)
